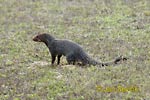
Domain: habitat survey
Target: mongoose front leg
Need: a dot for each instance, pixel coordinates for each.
(58, 57)
(53, 59)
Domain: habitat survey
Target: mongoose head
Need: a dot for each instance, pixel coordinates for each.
(43, 38)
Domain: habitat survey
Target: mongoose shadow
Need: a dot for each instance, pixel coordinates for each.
(73, 51)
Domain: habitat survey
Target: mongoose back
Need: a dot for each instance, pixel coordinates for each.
(73, 51)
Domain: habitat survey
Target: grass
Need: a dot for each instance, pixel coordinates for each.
(105, 29)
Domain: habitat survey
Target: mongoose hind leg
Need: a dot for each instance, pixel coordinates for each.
(71, 59)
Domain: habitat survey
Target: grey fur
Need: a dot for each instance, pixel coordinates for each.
(73, 51)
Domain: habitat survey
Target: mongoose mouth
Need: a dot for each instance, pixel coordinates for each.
(36, 39)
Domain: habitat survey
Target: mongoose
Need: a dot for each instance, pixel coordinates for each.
(73, 51)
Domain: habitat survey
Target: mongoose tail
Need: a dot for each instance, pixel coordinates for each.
(86, 59)
(113, 62)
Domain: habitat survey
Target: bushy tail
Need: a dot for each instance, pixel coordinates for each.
(117, 60)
